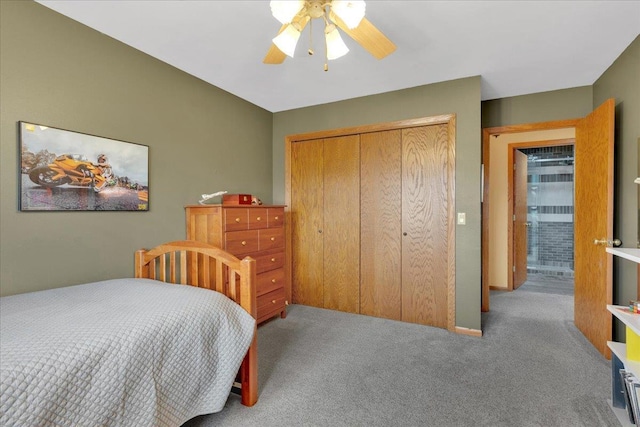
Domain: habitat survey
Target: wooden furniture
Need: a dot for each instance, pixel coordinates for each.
(372, 220)
(133, 351)
(256, 231)
(190, 263)
(628, 354)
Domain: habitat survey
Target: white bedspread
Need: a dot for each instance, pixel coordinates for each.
(127, 352)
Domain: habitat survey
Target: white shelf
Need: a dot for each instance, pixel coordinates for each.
(620, 350)
(626, 253)
(632, 320)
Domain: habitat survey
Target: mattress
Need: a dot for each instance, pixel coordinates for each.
(125, 352)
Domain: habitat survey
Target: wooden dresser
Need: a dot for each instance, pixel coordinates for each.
(255, 231)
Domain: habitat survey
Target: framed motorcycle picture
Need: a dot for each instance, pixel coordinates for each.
(62, 170)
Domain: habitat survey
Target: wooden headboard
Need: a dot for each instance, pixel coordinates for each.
(188, 262)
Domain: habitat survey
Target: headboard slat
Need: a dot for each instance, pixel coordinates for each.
(183, 268)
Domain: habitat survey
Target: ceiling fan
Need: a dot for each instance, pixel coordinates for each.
(347, 15)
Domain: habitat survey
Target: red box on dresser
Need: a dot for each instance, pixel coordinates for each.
(236, 199)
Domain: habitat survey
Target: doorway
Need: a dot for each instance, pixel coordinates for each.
(549, 219)
(505, 257)
(593, 229)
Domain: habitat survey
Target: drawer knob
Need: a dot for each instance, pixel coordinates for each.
(273, 301)
(273, 280)
(276, 218)
(237, 219)
(273, 239)
(259, 218)
(244, 243)
(273, 260)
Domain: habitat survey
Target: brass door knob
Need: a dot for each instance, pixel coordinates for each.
(606, 242)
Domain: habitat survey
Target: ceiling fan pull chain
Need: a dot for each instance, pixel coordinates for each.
(326, 47)
(310, 51)
(326, 58)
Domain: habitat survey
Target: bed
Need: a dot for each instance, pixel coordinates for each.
(140, 351)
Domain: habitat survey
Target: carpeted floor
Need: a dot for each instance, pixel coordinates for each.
(550, 284)
(325, 368)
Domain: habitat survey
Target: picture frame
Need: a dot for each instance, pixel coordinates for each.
(63, 170)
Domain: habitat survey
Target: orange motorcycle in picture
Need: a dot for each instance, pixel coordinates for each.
(73, 169)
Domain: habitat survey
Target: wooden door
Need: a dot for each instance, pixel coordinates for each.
(425, 219)
(307, 222)
(381, 224)
(341, 231)
(519, 218)
(594, 151)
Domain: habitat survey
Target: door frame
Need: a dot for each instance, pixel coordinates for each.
(450, 121)
(487, 133)
(512, 147)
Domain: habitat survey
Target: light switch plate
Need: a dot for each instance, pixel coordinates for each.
(462, 218)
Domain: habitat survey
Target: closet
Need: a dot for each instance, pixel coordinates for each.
(325, 190)
(372, 220)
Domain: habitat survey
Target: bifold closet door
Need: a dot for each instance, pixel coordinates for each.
(425, 225)
(381, 224)
(307, 222)
(342, 223)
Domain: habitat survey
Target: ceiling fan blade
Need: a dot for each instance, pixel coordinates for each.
(368, 36)
(275, 55)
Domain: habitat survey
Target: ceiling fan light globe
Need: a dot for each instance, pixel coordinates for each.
(350, 11)
(287, 40)
(335, 45)
(285, 10)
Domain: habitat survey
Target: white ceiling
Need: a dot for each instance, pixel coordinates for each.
(517, 47)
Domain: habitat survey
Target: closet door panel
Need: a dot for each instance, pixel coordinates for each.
(381, 224)
(307, 222)
(342, 223)
(425, 217)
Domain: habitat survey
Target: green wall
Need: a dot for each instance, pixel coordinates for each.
(461, 97)
(57, 72)
(621, 81)
(538, 107)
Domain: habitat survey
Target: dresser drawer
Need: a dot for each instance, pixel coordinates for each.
(258, 218)
(271, 238)
(276, 217)
(241, 242)
(236, 219)
(271, 303)
(269, 261)
(269, 281)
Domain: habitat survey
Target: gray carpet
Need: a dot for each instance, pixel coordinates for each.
(326, 368)
(550, 284)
